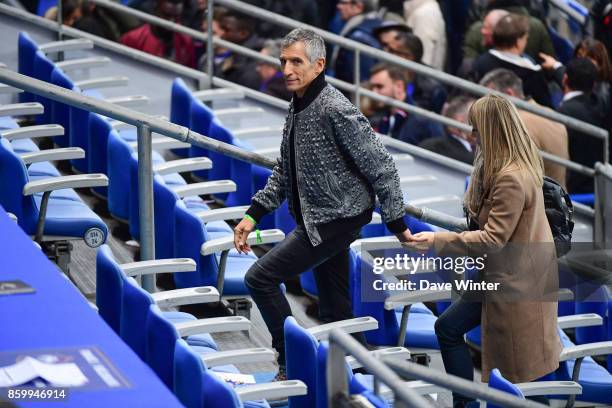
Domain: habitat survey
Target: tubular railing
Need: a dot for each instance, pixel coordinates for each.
(342, 85)
(341, 344)
(443, 77)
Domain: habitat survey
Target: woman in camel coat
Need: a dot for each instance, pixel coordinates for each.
(519, 320)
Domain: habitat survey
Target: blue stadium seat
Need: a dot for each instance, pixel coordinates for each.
(190, 238)
(67, 217)
(110, 284)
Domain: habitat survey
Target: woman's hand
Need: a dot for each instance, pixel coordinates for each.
(421, 242)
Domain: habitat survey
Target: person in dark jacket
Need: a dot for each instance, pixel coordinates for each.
(390, 81)
(361, 20)
(332, 168)
(456, 143)
(509, 41)
(239, 29)
(579, 102)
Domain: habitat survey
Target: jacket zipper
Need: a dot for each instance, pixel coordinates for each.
(297, 178)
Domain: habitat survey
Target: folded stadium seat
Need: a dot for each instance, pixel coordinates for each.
(111, 279)
(119, 154)
(586, 199)
(197, 387)
(542, 388)
(301, 346)
(563, 47)
(161, 337)
(78, 119)
(595, 380)
(599, 305)
(165, 200)
(216, 265)
(166, 193)
(47, 207)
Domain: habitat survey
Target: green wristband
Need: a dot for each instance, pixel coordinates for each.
(257, 232)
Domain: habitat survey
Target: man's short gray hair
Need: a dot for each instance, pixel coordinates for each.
(313, 43)
(501, 79)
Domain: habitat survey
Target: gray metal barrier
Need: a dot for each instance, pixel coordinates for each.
(341, 343)
(603, 205)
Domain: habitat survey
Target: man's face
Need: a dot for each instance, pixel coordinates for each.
(264, 70)
(486, 30)
(297, 69)
(349, 9)
(389, 40)
(382, 84)
(170, 11)
(231, 30)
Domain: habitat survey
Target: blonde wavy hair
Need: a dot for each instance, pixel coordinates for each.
(504, 140)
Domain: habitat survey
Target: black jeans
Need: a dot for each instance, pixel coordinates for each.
(291, 257)
(461, 317)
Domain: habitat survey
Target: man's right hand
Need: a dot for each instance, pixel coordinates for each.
(241, 232)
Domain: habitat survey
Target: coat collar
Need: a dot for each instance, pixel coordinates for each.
(314, 89)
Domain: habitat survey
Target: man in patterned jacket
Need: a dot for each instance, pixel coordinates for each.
(332, 167)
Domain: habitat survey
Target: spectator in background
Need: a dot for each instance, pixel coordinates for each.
(306, 11)
(160, 41)
(548, 135)
(509, 41)
(456, 143)
(72, 11)
(538, 41)
(423, 91)
(360, 21)
(390, 81)
(486, 31)
(426, 20)
(219, 53)
(578, 102)
(388, 33)
(272, 80)
(597, 53)
(239, 29)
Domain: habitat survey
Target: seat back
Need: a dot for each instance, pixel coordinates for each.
(189, 235)
(180, 103)
(200, 118)
(14, 176)
(197, 387)
(26, 49)
(119, 153)
(301, 352)
(188, 376)
(98, 130)
(109, 287)
(161, 337)
(135, 303)
(498, 382)
(61, 111)
(43, 67)
(242, 174)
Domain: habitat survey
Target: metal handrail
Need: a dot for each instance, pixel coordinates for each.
(448, 79)
(345, 86)
(341, 343)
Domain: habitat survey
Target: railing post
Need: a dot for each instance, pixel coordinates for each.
(337, 384)
(357, 78)
(210, 54)
(145, 202)
(60, 27)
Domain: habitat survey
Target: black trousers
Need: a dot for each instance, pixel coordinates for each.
(291, 257)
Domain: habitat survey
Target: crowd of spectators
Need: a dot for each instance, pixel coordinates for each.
(506, 45)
